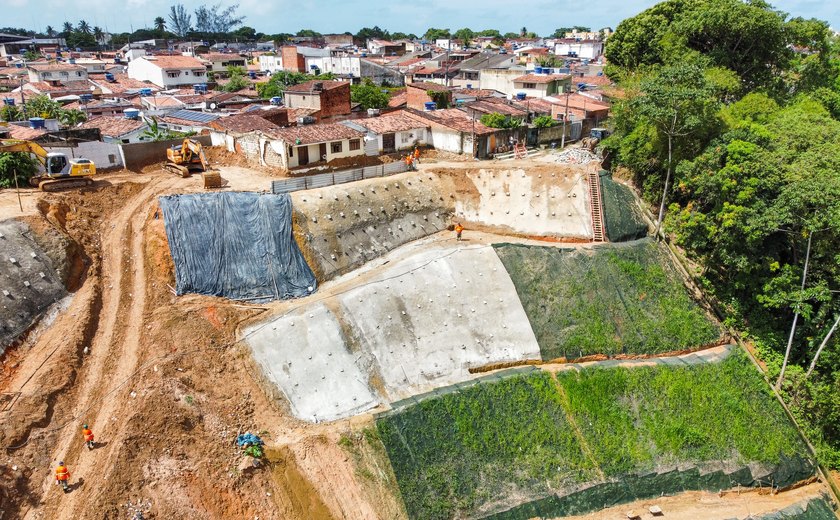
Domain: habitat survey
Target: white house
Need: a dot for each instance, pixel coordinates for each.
(219, 62)
(168, 71)
(271, 63)
(307, 144)
(56, 72)
(392, 132)
(577, 47)
(118, 130)
(541, 85)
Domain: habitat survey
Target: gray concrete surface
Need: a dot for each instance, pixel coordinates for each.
(304, 354)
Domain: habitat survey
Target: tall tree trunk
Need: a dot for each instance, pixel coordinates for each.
(796, 315)
(664, 191)
(822, 346)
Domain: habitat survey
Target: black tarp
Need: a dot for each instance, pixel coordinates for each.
(238, 245)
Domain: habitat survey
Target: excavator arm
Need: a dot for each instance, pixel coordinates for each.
(14, 145)
(73, 173)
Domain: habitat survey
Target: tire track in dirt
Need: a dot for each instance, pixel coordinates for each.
(97, 382)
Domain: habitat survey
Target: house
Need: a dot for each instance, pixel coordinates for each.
(168, 71)
(541, 85)
(102, 107)
(93, 65)
(385, 48)
(47, 72)
(452, 130)
(330, 98)
(118, 130)
(270, 63)
(417, 95)
(229, 101)
(187, 121)
(293, 57)
(580, 48)
(219, 62)
(309, 144)
(241, 133)
(502, 106)
(469, 71)
(15, 44)
(448, 44)
(580, 108)
(56, 89)
(391, 132)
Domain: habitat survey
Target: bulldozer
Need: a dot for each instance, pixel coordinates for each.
(59, 171)
(596, 135)
(188, 157)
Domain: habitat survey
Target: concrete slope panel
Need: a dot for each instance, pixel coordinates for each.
(435, 315)
(303, 354)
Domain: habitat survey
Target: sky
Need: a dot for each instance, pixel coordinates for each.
(337, 16)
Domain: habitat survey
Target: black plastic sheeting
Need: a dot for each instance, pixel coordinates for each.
(237, 245)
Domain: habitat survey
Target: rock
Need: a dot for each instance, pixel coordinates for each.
(247, 465)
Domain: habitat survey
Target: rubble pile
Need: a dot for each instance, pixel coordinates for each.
(575, 156)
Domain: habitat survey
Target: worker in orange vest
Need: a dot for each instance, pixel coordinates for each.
(458, 230)
(88, 435)
(416, 153)
(62, 475)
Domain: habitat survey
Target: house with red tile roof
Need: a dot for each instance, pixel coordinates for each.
(168, 71)
(48, 72)
(119, 130)
(304, 145)
(392, 132)
(330, 98)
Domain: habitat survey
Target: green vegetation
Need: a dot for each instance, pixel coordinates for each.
(440, 97)
(622, 217)
(281, 80)
(544, 122)
(21, 163)
(754, 174)
(238, 81)
(618, 300)
(368, 95)
(464, 453)
(497, 120)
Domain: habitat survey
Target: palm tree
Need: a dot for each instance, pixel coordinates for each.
(98, 34)
(160, 24)
(67, 28)
(84, 27)
(50, 31)
(523, 31)
(72, 118)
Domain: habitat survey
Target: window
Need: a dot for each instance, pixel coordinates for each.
(291, 152)
(79, 74)
(355, 144)
(529, 85)
(186, 73)
(173, 74)
(407, 136)
(335, 147)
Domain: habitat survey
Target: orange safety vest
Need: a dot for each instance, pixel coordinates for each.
(459, 228)
(88, 434)
(416, 153)
(62, 473)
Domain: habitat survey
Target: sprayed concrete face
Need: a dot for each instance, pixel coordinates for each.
(438, 314)
(303, 354)
(418, 324)
(542, 204)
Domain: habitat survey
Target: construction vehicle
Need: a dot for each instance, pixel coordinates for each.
(59, 171)
(596, 135)
(186, 158)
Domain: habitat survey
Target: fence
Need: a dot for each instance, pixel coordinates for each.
(338, 177)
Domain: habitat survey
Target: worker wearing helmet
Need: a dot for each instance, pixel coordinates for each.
(458, 230)
(88, 435)
(62, 475)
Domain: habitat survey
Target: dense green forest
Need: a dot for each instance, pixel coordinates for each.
(730, 127)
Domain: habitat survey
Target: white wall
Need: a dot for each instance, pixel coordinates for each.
(447, 140)
(348, 65)
(271, 63)
(103, 155)
(144, 70)
(584, 50)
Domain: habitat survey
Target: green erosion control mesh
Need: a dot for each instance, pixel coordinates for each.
(814, 509)
(588, 439)
(611, 299)
(622, 218)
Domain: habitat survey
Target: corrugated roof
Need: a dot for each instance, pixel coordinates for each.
(310, 134)
(388, 123)
(309, 86)
(453, 119)
(425, 85)
(112, 126)
(540, 78)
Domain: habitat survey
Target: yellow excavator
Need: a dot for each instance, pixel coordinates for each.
(186, 158)
(59, 171)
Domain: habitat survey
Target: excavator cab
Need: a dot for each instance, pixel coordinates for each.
(56, 164)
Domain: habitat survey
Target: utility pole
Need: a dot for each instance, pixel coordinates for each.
(565, 117)
(473, 134)
(17, 188)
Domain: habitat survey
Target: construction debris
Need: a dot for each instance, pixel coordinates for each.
(574, 155)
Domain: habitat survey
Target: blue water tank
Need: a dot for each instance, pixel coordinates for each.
(9, 101)
(19, 65)
(600, 73)
(275, 100)
(538, 70)
(37, 122)
(145, 92)
(110, 77)
(520, 96)
(85, 98)
(117, 59)
(71, 61)
(469, 86)
(430, 106)
(252, 74)
(131, 113)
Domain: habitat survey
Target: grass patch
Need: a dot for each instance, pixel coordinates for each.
(611, 300)
(471, 452)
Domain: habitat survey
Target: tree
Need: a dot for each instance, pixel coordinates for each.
(497, 120)
(72, 117)
(31, 55)
(492, 33)
(677, 101)
(561, 32)
(510, 36)
(544, 122)
(523, 31)
(180, 20)
(368, 95)
(66, 29)
(160, 24)
(84, 27)
(212, 20)
(433, 34)
(43, 106)
(279, 81)
(80, 40)
(10, 113)
(98, 35)
(464, 36)
(50, 31)
(368, 33)
(15, 163)
(308, 33)
(245, 33)
(237, 80)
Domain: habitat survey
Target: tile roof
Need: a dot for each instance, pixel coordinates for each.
(24, 132)
(398, 100)
(309, 134)
(44, 67)
(295, 113)
(488, 107)
(540, 78)
(163, 101)
(581, 102)
(82, 86)
(309, 86)
(426, 70)
(593, 80)
(451, 118)
(174, 62)
(425, 85)
(113, 126)
(388, 123)
(243, 123)
(123, 83)
(478, 93)
(219, 56)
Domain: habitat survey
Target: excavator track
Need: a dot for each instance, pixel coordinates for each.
(51, 185)
(177, 169)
